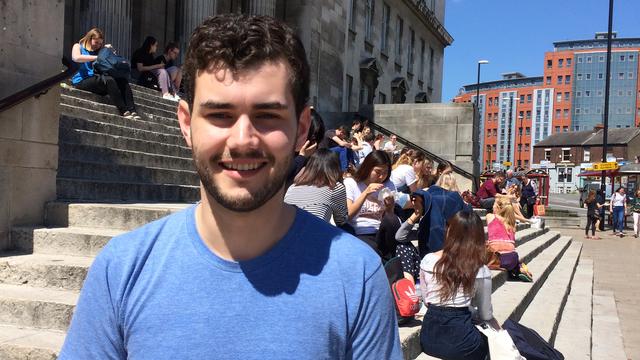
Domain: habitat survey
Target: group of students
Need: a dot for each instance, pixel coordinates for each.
(381, 201)
(149, 71)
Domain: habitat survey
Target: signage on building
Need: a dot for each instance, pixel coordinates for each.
(605, 166)
(544, 165)
(506, 163)
(586, 166)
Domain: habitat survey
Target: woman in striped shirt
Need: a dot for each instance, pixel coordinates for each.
(318, 188)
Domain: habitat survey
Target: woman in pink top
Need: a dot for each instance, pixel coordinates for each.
(501, 228)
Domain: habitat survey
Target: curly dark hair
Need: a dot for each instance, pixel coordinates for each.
(240, 42)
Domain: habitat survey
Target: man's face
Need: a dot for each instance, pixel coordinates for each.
(498, 179)
(394, 139)
(243, 132)
(173, 53)
(340, 133)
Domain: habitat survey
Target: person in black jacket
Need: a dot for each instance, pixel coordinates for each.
(528, 198)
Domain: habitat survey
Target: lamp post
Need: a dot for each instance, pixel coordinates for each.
(509, 133)
(605, 131)
(477, 108)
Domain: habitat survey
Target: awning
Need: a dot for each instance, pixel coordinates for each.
(607, 173)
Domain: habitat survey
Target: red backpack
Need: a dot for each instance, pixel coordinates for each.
(407, 300)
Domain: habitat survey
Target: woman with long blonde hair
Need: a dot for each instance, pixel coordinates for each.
(448, 181)
(85, 53)
(501, 239)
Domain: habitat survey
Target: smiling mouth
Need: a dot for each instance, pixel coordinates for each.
(245, 166)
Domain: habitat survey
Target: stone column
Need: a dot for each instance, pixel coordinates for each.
(113, 17)
(193, 13)
(261, 7)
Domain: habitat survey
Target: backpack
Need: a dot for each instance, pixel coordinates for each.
(108, 63)
(407, 300)
(530, 344)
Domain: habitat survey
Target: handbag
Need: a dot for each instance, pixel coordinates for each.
(501, 346)
(538, 210)
(530, 343)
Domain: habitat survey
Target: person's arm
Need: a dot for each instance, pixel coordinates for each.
(341, 142)
(77, 56)
(339, 204)
(95, 330)
(482, 301)
(374, 334)
(142, 68)
(406, 228)
(353, 206)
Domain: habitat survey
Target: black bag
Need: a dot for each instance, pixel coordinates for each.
(530, 344)
(108, 63)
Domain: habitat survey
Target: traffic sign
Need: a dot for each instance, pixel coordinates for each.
(605, 166)
(506, 163)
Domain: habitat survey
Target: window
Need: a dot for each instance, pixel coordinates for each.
(579, 77)
(598, 110)
(547, 154)
(632, 58)
(586, 155)
(560, 80)
(521, 115)
(601, 58)
(565, 129)
(528, 98)
(559, 97)
(578, 93)
(549, 64)
(599, 93)
(566, 113)
(621, 57)
(630, 75)
(527, 131)
(386, 24)
(629, 93)
(521, 99)
(432, 61)
(526, 147)
(621, 76)
(528, 114)
(560, 62)
(566, 154)
(620, 93)
(548, 82)
(567, 96)
(495, 133)
(490, 102)
(569, 62)
(368, 22)
(577, 111)
(569, 174)
(558, 112)
(587, 93)
(412, 40)
(567, 79)
(600, 76)
(587, 76)
(526, 163)
(579, 59)
(588, 59)
(519, 147)
(382, 98)
(421, 70)
(399, 30)
(347, 93)
(489, 133)
(557, 129)
(352, 15)
(585, 110)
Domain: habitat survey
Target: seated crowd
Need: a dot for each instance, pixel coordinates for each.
(388, 196)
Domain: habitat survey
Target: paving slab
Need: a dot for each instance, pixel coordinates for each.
(607, 337)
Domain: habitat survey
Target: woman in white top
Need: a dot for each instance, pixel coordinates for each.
(453, 279)
(618, 208)
(364, 207)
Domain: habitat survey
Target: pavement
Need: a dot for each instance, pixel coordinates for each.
(615, 271)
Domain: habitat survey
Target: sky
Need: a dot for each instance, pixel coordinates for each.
(513, 35)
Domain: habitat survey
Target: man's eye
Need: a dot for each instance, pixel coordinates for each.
(267, 116)
(218, 116)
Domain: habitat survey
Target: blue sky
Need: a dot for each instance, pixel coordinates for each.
(514, 34)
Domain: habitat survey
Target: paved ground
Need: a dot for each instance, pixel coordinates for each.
(615, 262)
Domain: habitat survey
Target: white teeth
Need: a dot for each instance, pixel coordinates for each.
(243, 167)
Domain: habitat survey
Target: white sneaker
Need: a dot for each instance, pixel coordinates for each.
(176, 97)
(168, 96)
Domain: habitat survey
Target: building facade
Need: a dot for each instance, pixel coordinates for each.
(360, 52)
(568, 97)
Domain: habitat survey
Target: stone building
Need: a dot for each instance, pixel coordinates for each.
(361, 52)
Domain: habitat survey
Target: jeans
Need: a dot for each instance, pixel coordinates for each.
(117, 88)
(618, 218)
(346, 155)
(487, 203)
(447, 333)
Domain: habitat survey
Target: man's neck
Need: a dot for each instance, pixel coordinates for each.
(241, 236)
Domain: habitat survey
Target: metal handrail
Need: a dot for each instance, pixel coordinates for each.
(39, 88)
(431, 155)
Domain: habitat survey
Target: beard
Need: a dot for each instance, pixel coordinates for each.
(255, 198)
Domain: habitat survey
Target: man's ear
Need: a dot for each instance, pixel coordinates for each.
(184, 118)
(304, 121)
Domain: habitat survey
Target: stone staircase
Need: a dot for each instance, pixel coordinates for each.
(106, 160)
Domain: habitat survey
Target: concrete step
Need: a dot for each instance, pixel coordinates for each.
(33, 307)
(107, 216)
(44, 270)
(96, 190)
(545, 310)
(123, 157)
(573, 338)
(76, 113)
(563, 222)
(83, 137)
(511, 300)
(125, 173)
(139, 98)
(67, 122)
(76, 241)
(607, 341)
(410, 335)
(20, 343)
(74, 100)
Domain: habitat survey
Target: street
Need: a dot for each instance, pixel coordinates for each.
(567, 202)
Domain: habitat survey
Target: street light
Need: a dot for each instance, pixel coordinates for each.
(481, 62)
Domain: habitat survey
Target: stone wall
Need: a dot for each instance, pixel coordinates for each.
(445, 130)
(31, 49)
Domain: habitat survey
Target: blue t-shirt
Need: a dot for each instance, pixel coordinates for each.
(85, 69)
(159, 293)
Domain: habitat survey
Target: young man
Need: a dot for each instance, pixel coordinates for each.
(488, 191)
(240, 275)
(171, 52)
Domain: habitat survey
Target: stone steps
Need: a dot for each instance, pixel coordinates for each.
(44, 270)
(154, 100)
(91, 101)
(76, 241)
(153, 123)
(574, 332)
(93, 190)
(564, 222)
(20, 343)
(38, 308)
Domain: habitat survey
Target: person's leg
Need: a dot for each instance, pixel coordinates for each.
(586, 229)
(342, 154)
(175, 74)
(163, 81)
(409, 258)
(93, 84)
(127, 94)
(386, 235)
(635, 223)
(593, 227)
(619, 218)
(487, 203)
(115, 94)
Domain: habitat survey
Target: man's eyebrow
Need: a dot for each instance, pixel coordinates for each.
(213, 105)
(270, 106)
